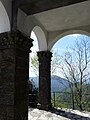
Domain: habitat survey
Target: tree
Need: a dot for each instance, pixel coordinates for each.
(35, 63)
(55, 63)
(75, 67)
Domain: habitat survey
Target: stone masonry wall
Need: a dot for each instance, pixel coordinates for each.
(14, 74)
(7, 78)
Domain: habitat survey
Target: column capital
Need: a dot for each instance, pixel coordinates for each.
(44, 55)
(15, 40)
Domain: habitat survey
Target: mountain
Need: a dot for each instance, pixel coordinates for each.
(57, 83)
(35, 81)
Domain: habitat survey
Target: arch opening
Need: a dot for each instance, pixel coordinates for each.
(70, 32)
(41, 38)
(70, 72)
(39, 44)
(33, 72)
(33, 56)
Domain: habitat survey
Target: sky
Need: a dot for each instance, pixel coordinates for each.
(33, 49)
(35, 43)
(61, 45)
(66, 42)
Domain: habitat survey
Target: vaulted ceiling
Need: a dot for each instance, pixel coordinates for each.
(66, 17)
(53, 15)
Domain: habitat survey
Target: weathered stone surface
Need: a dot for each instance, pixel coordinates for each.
(36, 114)
(15, 40)
(14, 68)
(44, 58)
(6, 112)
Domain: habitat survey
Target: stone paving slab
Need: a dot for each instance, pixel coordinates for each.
(72, 114)
(35, 114)
(59, 114)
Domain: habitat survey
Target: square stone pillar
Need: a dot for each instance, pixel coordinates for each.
(14, 74)
(44, 58)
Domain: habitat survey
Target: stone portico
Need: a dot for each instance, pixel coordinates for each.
(50, 20)
(14, 68)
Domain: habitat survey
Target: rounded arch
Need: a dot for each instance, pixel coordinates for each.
(4, 19)
(65, 34)
(40, 37)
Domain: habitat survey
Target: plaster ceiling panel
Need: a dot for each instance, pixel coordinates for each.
(65, 17)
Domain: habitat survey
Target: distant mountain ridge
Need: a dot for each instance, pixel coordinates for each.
(57, 83)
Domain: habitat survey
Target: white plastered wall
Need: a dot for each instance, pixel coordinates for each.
(8, 7)
(27, 24)
(42, 42)
(58, 36)
(4, 19)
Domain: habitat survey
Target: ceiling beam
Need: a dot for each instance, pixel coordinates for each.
(36, 6)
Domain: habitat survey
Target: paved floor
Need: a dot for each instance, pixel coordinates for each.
(35, 114)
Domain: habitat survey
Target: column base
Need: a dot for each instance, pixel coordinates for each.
(46, 107)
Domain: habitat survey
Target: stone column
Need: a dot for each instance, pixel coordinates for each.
(44, 58)
(14, 74)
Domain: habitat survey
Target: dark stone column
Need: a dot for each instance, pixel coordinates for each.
(14, 74)
(44, 58)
